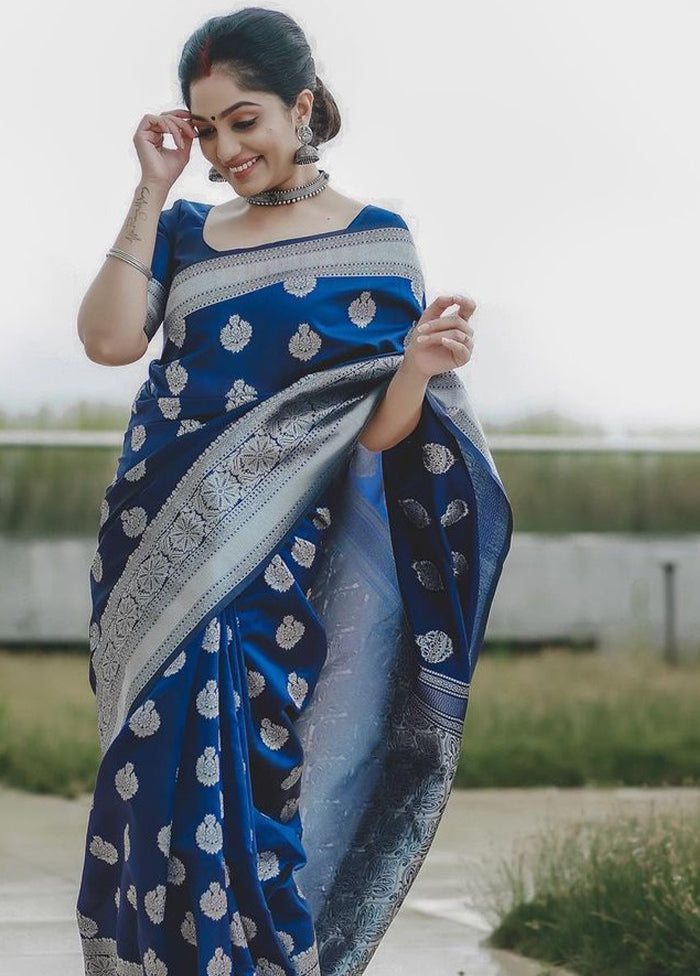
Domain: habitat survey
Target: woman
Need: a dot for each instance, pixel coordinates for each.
(298, 552)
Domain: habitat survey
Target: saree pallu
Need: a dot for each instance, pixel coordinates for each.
(285, 625)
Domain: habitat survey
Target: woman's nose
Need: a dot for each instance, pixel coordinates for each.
(227, 149)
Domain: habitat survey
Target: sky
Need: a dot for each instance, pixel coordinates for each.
(543, 153)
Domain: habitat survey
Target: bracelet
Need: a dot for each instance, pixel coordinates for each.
(130, 259)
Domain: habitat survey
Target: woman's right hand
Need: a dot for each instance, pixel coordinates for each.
(159, 164)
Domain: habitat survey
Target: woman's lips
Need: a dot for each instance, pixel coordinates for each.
(244, 172)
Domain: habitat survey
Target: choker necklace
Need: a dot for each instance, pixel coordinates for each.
(269, 198)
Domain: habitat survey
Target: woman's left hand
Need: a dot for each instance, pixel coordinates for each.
(442, 342)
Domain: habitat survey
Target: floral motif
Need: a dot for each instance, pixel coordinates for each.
(236, 334)
(237, 934)
(154, 903)
(437, 458)
(278, 575)
(303, 551)
(434, 646)
(185, 534)
(176, 377)
(169, 406)
(131, 896)
(212, 636)
(264, 967)
(96, 568)
(188, 930)
(176, 665)
(104, 850)
(274, 736)
(292, 778)
(152, 574)
(127, 842)
(289, 809)
(289, 632)
(213, 902)
(188, 425)
(416, 513)
(220, 963)
(94, 635)
(256, 683)
(218, 491)
(255, 459)
(163, 839)
(138, 437)
(104, 511)
(208, 699)
(126, 781)
(86, 926)
(240, 393)
(268, 865)
(305, 342)
(136, 471)
(176, 870)
(459, 563)
(152, 965)
(207, 767)
(134, 520)
(362, 310)
(428, 574)
(297, 688)
(145, 720)
(299, 283)
(455, 510)
(209, 835)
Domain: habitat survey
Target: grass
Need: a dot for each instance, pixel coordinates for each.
(619, 897)
(593, 718)
(48, 724)
(555, 718)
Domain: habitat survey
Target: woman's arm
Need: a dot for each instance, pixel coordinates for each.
(113, 311)
(399, 410)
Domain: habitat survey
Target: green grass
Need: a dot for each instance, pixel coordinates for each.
(48, 724)
(618, 897)
(573, 718)
(47, 491)
(556, 718)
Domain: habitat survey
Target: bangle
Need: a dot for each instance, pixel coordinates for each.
(130, 259)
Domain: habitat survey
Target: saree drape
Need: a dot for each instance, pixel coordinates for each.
(284, 624)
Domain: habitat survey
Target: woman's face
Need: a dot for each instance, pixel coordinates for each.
(260, 127)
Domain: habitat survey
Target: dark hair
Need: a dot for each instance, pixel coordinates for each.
(264, 50)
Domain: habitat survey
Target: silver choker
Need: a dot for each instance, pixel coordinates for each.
(269, 198)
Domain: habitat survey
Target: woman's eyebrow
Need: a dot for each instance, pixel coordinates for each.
(226, 111)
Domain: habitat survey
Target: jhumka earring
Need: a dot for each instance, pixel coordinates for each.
(215, 176)
(306, 153)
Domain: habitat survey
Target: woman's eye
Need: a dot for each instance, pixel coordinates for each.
(205, 133)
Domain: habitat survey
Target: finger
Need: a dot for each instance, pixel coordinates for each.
(462, 354)
(438, 306)
(466, 304)
(444, 323)
(185, 126)
(173, 129)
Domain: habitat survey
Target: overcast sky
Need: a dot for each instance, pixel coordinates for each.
(543, 152)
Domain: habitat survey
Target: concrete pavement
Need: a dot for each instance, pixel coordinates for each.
(438, 931)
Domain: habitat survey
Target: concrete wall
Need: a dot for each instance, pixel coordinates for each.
(603, 587)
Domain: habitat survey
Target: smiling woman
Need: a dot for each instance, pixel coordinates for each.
(285, 618)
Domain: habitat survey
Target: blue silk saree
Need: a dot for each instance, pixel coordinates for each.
(284, 624)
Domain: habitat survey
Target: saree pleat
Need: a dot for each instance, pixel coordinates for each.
(285, 625)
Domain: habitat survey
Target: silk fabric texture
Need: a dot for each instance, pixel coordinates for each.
(284, 624)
